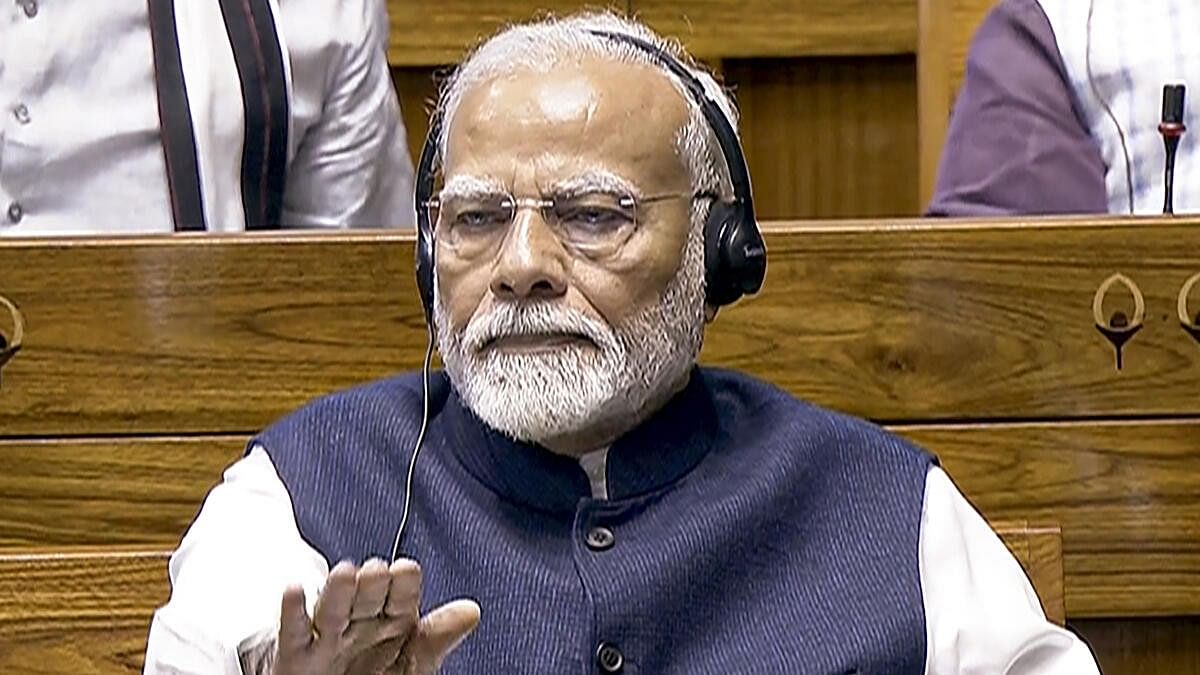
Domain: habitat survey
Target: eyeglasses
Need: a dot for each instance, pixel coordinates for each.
(595, 224)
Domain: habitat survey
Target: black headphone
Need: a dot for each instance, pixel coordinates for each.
(735, 256)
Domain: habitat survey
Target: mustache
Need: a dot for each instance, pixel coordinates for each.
(528, 319)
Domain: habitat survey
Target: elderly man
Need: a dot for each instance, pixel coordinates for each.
(608, 506)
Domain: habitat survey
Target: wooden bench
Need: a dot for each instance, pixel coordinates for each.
(148, 362)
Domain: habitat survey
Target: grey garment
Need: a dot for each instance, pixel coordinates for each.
(1017, 143)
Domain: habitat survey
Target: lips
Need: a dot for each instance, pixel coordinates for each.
(535, 342)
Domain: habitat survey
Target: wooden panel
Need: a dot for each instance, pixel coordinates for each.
(945, 29)
(201, 334)
(422, 35)
(829, 138)
(66, 492)
(1039, 550)
(1143, 646)
(1126, 496)
(824, 137)
(418, 91)
(80, 613)
(727, 28)
(920, 320)
(708, 28)
(925, 320)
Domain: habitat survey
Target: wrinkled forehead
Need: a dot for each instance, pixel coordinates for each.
(526, 129)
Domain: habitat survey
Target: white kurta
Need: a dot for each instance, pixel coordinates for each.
(981, 615)
(80, 145)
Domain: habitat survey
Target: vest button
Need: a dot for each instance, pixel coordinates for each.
(600, 539)
(609, 658)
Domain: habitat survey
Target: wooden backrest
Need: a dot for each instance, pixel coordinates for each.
(79, 612)
(944, 31)
(710, 29)
(144, 378)
(1039, 550)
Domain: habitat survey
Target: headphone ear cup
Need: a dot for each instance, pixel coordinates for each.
(424, 265)
(718, 289)
(735, 260)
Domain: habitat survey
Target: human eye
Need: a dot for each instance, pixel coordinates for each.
(478, 216)
(596, 213)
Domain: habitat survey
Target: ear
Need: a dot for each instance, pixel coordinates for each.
(710, 312)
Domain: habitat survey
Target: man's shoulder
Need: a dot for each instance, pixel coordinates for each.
(337, 22)
(776, 418)
(391, 404)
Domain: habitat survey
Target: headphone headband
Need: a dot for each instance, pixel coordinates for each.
(727, 139)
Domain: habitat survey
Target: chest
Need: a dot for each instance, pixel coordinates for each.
(692, 580)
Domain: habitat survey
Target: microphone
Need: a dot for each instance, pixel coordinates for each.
(1171, 129)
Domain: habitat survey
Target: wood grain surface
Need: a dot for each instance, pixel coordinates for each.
(825, 137)
(107, 491)
(828, 137)
(894, 321)
(1166, 646)
(1039, 550)
(201, 334)
(1126, 496)
(747, 28)
(424, 35)
(429, 34)
(80, 612)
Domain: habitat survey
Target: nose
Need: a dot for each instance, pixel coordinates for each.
(532, 263)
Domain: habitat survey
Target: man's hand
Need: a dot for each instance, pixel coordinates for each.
(367, 622)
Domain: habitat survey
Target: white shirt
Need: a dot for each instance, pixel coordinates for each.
(80, 147)
(1118, 62)
(981, 615)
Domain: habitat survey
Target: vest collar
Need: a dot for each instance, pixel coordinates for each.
(651, 457)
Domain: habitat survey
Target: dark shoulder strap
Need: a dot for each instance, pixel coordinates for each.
(259, 58)
(175, 120)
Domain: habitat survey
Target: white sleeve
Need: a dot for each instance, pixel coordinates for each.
(229, 573)
(982, 616)
(352, 167)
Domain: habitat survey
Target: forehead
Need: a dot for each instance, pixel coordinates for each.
(528, 126)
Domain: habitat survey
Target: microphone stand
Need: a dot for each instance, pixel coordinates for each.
(1172, 129)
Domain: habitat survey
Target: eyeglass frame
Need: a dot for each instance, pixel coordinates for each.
(544, 205)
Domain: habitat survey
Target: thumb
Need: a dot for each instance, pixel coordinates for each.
(437, 634)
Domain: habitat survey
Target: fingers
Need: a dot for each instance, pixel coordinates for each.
(295, 628)
(437, 634)
(404, 590)
(372, 582)
(332, 614)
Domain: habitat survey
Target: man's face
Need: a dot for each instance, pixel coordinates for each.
(568, 316)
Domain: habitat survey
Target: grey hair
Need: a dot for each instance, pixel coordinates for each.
(541, 45)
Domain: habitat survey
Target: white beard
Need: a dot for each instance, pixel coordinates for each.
(534, 397)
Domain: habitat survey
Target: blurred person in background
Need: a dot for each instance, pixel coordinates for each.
(205, 115)
(1060, 108)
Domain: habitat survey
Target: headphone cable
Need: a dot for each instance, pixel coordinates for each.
(412, 462)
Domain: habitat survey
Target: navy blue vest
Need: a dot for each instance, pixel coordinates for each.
(751, 533)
